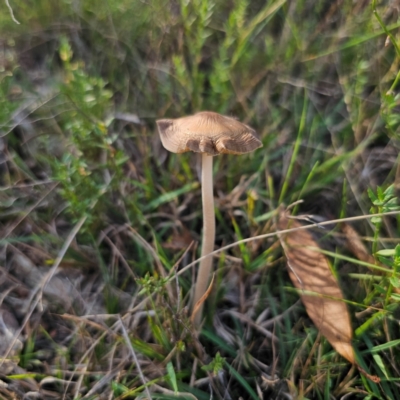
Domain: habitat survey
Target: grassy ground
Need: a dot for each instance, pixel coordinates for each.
(95, 214)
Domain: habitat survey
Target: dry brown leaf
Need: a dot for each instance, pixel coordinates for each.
(310, 273)
(355, 244)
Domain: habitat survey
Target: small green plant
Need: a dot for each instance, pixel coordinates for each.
(391, 258)
(89, 161)
(216, 365)
(383, 201)
(152, 284)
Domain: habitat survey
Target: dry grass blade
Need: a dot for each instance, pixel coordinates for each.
(310, 272)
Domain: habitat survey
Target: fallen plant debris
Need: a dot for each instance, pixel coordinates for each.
(355, 245)
(319, 289)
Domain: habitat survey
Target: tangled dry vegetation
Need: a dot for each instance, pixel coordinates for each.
(100, 226)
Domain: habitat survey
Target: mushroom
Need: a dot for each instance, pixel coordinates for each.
(211, 134)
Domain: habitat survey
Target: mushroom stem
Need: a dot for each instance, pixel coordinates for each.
(207, 195)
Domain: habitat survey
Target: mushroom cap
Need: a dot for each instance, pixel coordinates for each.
(207, 132)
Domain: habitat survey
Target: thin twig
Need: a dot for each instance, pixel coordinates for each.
(121, 257)
(272, 234)
(29, 211)
(249, 321)
(25, 185)
(129, 344)
(12, 13)
(31, 107)
(38, 291)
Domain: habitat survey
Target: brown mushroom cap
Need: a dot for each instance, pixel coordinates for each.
(207, 132)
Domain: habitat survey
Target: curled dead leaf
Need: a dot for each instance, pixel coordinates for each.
(319, 290)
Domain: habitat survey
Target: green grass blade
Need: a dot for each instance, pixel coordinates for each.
(172, 376)
(296, 148)
(219, 342)
(170, 196)
(242, 381)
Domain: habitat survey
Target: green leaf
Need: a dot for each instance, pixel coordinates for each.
(395, 282)
(27, 375)
(381, 365)
(392, 202)
(386, 261)
(395, 296)
(372, 196)
(242, 381)
(145, 349)
(222, 344)
(200, 395)
(265, 216)
(243, 247)
(389, 192)
(385, 346)
(167, 197)
(376, 220)
(367, 324)
(386, 252)
(172, 376)
(118, 388)
(380, 289)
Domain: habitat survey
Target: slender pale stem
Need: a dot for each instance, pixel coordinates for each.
(203, 277)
